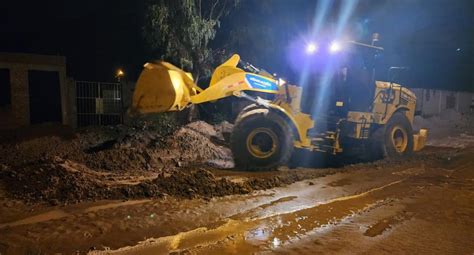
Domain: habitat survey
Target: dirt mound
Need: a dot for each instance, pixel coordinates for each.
(194, 144)
(118, 162)
(53, 181)
(59, 181)
(131, 163)
(63, 181)
(448, 129)
(198, 143)
(122, 148)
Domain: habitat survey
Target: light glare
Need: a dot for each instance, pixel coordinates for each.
(281, 82)
(335, 47)
(120, 73)
(311, 48)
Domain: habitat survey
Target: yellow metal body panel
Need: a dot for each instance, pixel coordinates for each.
(419, 139)
(162, 87)
(362, 121)
(227, 68)
(302, 122)
(295, 93)
(400, 98)
(292, 109)
(225, 87)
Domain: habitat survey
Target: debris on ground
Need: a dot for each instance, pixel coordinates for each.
(448, 129)
(63, 181)
(118, 163)
(123, 148)
(123, 162)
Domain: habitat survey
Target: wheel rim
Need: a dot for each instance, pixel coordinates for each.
(262, 142)
(399, 139)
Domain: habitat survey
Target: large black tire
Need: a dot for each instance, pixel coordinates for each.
(261, 140)
(393, 140)
(245, 110)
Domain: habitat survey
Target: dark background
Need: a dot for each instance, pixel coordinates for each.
(435, 38)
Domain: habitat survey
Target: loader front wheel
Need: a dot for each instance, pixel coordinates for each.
(261, 140)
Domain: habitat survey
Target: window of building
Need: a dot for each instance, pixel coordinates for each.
(5, 87)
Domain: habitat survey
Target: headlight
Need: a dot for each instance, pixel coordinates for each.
(335, 47)
(311, 48)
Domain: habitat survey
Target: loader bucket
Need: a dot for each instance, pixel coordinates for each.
(162, 87)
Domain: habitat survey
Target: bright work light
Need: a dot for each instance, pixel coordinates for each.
(335, 47)
(311, 48)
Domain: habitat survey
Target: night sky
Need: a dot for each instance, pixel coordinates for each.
(435, 38)
(97, 37)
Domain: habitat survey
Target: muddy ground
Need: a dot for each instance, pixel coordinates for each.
(174, 190)
(128, 163)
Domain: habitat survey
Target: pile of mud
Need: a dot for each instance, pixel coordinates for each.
(53, 181)
(60, 181)
(131, 163)
(123, 148)
(118, 163)
(448, 129)
(194, 143)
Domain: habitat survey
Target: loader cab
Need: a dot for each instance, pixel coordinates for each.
(356, 85)
(345, 83)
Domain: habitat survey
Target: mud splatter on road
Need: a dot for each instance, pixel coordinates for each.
(160, 192)
(425, 211)
(365, 208)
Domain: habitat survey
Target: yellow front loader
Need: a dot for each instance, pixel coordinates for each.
(267, 131)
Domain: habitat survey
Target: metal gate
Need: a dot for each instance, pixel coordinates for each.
(98, 103)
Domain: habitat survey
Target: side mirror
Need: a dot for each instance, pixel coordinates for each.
(375, 38)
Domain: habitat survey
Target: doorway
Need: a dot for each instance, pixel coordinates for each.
(5, 88)
(45, 97)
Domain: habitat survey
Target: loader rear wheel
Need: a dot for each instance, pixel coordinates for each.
(395, 139)
(261, 140)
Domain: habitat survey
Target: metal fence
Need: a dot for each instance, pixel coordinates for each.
(98, 103)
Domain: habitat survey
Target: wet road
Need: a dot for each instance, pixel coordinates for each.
(423, 207)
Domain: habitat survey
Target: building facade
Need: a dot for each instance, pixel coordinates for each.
(33, 90)
(431, 102)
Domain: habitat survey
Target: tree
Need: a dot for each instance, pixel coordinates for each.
(265, 30)
(180, 31)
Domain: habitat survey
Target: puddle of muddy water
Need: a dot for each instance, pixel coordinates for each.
(258, 234)
(386, 223)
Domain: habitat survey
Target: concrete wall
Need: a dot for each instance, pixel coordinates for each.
(71, 102)
(432, 102)
(127, 95)
(18, 113)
